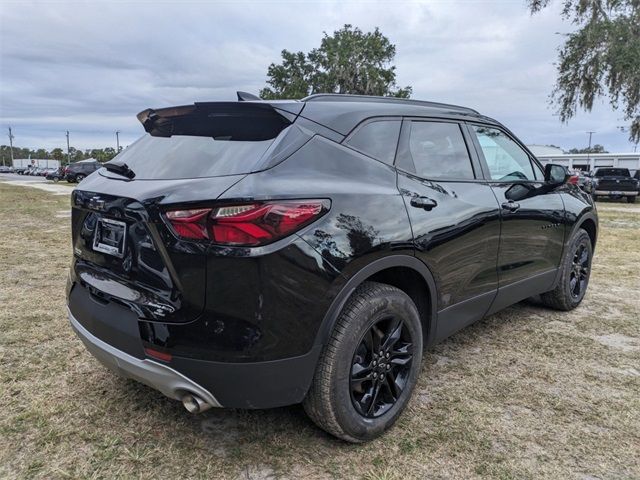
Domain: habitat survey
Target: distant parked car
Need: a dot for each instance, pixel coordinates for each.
(614, 183)
(19, 170)
(584, 181)
(5, 169)
(76, 172)
(55, 174)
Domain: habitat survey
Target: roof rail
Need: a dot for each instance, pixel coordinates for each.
(343, 97)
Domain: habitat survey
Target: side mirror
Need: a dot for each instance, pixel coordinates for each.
(520, 191)
(555, 174)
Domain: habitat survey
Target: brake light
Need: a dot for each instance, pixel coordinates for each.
(246, 225)
(190, 224)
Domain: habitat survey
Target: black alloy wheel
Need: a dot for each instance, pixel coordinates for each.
(574, 274)
(380, 367)
(369, 366)
(579, 276)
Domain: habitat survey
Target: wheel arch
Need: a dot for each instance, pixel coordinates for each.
(589, 223)
(400, 271)
(591, 227)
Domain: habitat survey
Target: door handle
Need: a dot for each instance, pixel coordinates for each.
(511, 206)
(425, 203)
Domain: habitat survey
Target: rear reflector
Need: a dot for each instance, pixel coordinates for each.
(165, 357)
(248, 224)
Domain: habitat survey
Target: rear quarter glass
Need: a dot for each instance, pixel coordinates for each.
(181, 156)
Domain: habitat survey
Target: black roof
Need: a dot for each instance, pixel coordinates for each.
(338, 112)
(339, 97)
(342, 112)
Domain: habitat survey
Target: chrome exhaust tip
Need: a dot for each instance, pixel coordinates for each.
(194, 404)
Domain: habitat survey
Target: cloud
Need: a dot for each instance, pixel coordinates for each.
(90, 67)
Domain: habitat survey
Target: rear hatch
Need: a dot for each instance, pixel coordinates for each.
(124, 250)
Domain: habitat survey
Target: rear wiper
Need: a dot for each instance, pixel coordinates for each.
(120, 168)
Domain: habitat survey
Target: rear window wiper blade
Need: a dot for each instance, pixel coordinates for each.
(120, 168)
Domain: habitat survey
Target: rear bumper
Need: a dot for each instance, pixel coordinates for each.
(623, 193)
(165, 379)
(111, 333)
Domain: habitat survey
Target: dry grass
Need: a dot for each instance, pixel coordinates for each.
(526, 393)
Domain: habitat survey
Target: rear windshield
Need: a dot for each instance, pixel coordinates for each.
(612, 172)
(180, 156)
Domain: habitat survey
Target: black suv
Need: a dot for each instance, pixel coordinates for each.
(614, 183)
(256, 254)
(78, 171)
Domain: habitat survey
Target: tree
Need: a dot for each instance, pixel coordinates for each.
(600, 59)
(349, 61)
(597, 148)
(57, 154)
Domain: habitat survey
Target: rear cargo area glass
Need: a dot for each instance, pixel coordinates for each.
(176, 157)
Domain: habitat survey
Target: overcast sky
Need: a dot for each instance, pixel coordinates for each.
(90, 67)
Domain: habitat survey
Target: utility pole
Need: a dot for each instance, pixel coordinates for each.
(10, 146)
(117, 142)
(68, 151)
(589, 151)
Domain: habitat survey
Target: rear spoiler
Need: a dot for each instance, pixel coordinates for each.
(243, 120)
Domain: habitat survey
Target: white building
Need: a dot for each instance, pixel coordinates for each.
(585, 161)
(590, 161)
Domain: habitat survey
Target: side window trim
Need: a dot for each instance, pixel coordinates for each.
(345, 141)
(483, 161)
(403, 151)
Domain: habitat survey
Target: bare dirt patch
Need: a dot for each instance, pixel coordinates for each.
(54, 188)
(526, 393)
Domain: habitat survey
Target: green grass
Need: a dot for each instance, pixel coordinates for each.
(526, 393)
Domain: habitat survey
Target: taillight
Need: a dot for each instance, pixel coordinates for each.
(573, 180)
(248, 224)
(191, 224)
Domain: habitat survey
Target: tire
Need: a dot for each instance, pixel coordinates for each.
(568, 294)
(55, 179)
(631, 199)
(80, 177)
(337, 402)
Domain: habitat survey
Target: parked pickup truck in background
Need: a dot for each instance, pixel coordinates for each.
(614, 183)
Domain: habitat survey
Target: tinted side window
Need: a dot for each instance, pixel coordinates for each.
(377, 139)
(438, 150)
(504, 157)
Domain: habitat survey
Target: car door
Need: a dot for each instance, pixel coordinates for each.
(454, 216)
(532, 232)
